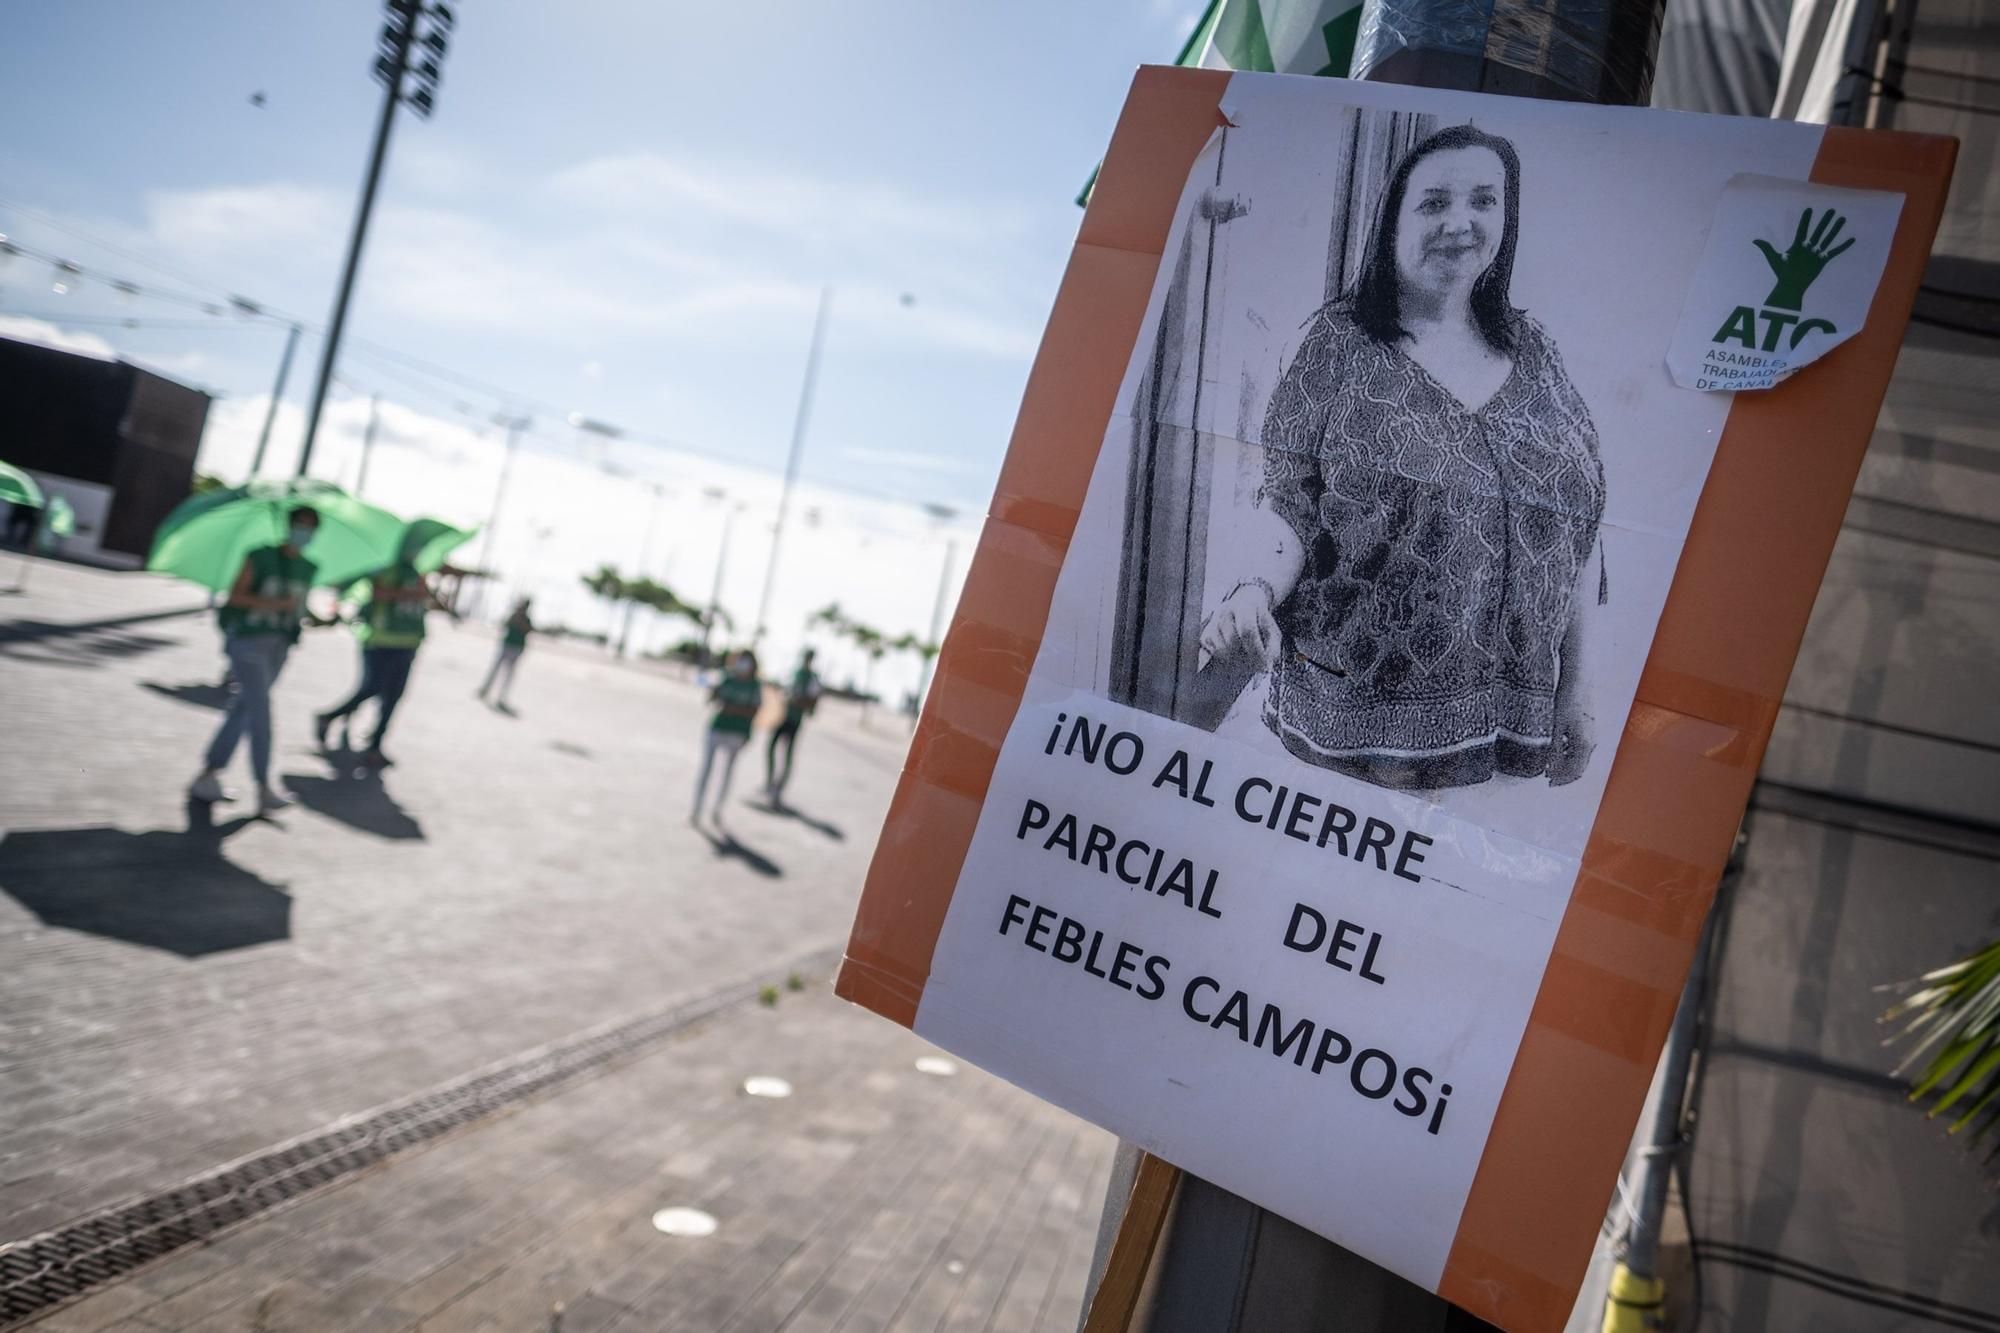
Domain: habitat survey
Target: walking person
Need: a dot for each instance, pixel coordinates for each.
(737, 697)
(22, 521)
(260, 620)
(801, 700)
(513, 642)
(391, 629)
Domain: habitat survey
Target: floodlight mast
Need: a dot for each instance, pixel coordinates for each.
(392, 69)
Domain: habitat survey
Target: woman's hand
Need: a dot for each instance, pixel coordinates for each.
(1573, 747)
(1243, 629)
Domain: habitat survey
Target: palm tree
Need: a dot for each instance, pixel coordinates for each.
(1954, 1016)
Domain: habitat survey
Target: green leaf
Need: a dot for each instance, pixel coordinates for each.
(1979, 1071)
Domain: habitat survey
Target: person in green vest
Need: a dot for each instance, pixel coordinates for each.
(513, 642)
(391, 629)
(801, 699)
(260, 620)
(736, 697)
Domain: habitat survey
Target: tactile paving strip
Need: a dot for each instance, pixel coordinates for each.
(44, 1271)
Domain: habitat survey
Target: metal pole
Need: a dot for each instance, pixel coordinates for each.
(399, 64)
(645, 554)
(792, 461)
(1225, 1265)
(367, 443)
(277, 393)
(515, 425)
(715, 592)
(937, 616)
(1636, 1300)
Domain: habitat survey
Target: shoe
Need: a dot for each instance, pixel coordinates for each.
(208, 787)
(374, 758)
(269, 799)
(322, 723)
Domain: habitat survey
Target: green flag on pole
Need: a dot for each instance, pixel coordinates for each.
(1270, 37)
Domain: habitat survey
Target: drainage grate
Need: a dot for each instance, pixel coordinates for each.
(46, 1270)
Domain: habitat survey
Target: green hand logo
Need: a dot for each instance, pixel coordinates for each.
(1799, 266)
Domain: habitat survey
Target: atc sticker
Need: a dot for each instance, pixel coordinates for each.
(1788, 274)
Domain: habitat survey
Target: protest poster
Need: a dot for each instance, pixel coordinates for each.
(1374, 636)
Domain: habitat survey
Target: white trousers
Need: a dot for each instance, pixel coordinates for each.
(728, 744)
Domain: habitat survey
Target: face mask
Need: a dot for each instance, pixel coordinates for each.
(299, 534)
(742, 666)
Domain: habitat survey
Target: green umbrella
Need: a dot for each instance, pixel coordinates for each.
(428, 541)
(206, 537)
(18, 487)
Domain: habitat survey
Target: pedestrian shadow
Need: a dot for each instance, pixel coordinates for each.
(21, 631)
(355, 797)
(84, 648)
(769, 806)
(200, 694)
(161, 889)
(727, 848)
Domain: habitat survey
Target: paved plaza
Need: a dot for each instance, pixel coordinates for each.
(177, 994)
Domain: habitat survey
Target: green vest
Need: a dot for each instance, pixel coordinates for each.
(387, 624)
(742, 694)
(800, 696)
(272, 574)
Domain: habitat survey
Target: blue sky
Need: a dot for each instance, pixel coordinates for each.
(622, 208)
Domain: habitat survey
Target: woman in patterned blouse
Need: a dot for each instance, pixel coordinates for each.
(1435, 489)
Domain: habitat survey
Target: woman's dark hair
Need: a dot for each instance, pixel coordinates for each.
(306, 512)
(1378, 295)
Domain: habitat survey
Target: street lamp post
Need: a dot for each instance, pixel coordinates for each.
(368, 443)
(729, 514)
(514, 425)
(799, 420)
(396, 48)
(277, 393)
(942, 514)
(645, 556)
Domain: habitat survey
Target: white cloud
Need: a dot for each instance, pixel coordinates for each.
(791, 204)
(216, 223)
(564, 515)
(175, 365)
(459, 269)
(51, 335)
(909, 458)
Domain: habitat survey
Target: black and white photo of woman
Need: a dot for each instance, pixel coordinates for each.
(1420, 565)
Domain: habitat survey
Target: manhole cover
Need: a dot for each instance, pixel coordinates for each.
(683, 1222)
(766, 1085)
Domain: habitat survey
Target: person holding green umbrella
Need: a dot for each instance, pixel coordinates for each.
(261, 619)
(24, 500)
(391, 629)
(25, 503)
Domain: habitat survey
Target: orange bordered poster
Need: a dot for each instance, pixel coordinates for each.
(1404, 543)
